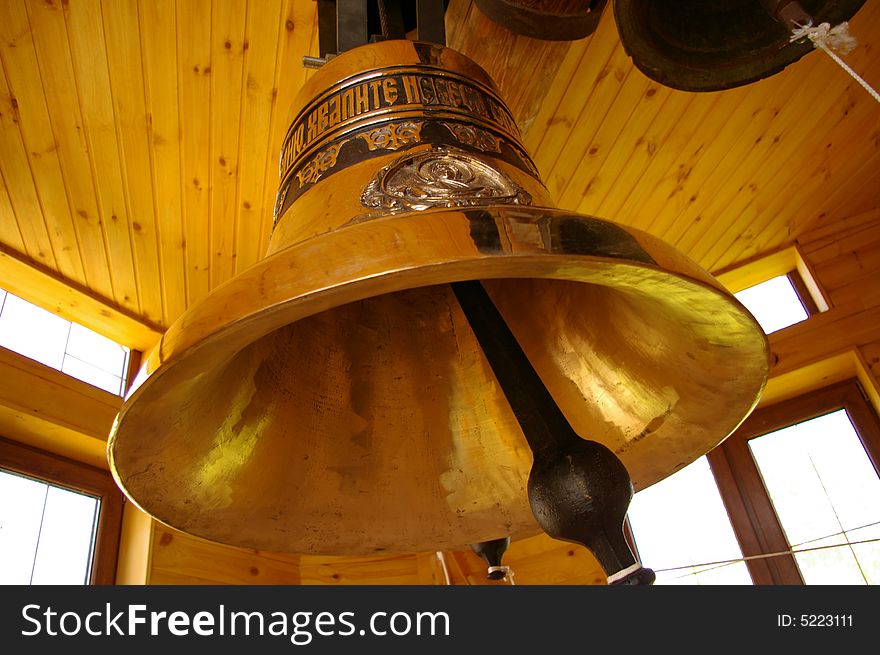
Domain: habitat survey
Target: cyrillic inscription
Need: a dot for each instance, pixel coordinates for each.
(401, 90)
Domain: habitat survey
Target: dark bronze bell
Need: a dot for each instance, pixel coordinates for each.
(700, 45)
(550, 20)
(335, 399)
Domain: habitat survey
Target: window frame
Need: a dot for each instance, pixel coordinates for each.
(788, 261)
(745, 497)
(803, 293)
(60, 471)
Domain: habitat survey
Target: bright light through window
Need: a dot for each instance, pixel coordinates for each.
(683, 533)
(47, 534)
(33, 332)
(774, 303)
(65, 346)
(827, 496)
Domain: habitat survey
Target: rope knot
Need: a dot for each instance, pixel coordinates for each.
(823, 35)
(828, 39)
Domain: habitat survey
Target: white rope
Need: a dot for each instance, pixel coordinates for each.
(829, 39)
(708, 566)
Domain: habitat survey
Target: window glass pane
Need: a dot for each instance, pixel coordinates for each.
(680, 523)
(826, 493)
(774, 303)
(64, 555)
(21, 507)
(95, 376)
(46, 533)
(33, 332)
(98, 351)
(54, 341)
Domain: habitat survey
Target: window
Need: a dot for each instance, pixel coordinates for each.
(48, 532)
(778, 302)
(683, 532)
(62, 526)
(799, 483)
(794, 293)
(825, 492)
(65, 346)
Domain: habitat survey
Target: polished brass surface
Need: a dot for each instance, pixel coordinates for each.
(332, 398)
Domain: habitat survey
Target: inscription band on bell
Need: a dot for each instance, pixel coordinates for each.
(371, 115)
(382, 95)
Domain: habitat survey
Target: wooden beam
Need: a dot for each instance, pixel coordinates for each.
(766, 266)
(822, 336)
(748, 274)
(810, 377)
(135, 547)
(37, 285)
(47, 409)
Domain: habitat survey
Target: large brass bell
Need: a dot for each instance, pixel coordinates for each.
(334, 398)
(700, 45)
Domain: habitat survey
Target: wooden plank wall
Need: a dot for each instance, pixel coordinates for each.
(179, 558)
(722, 176)
(845, 259)
(139, 140)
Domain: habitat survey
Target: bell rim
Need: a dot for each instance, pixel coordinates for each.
(173, 345)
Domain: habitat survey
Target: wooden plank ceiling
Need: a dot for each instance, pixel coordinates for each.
(139, 139)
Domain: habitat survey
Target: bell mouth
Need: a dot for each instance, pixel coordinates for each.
(694, 45)
(332, 399)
